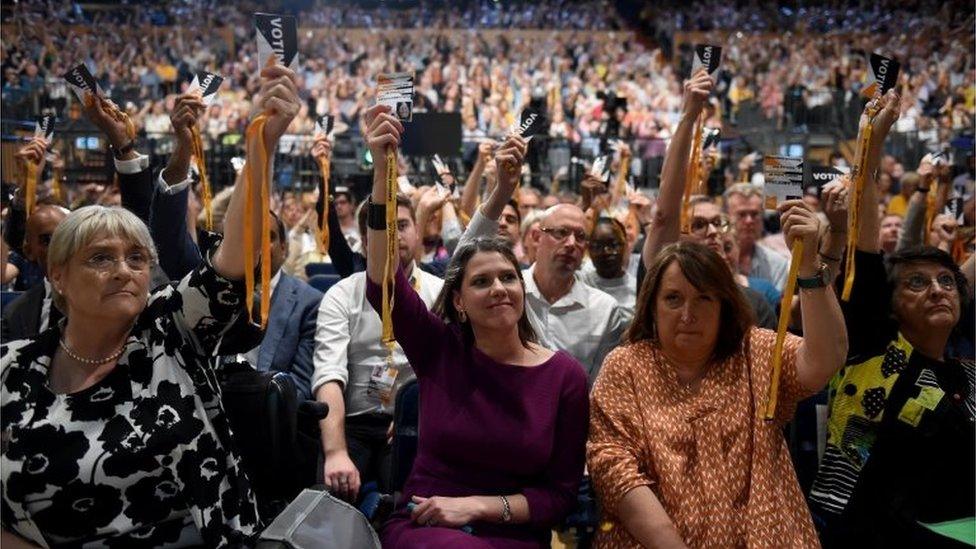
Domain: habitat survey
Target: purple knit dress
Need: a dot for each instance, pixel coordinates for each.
(486, 428)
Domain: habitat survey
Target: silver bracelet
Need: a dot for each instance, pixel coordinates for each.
(506, 510)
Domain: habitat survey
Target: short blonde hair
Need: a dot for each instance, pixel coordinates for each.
(83, 225)
(746, 190)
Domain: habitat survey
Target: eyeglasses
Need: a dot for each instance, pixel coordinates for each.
(700, 224)
(560, 234)
(103, 263)
(606, 246)
(742, 214)
(917, 282)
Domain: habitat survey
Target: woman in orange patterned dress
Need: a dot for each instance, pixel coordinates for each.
(678, 450)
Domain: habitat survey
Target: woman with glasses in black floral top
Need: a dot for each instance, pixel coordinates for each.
(113, 433)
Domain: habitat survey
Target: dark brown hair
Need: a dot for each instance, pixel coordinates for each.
(454, 277)
(401, 200)
(707, 272)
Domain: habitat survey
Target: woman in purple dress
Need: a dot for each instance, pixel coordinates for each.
(502, 420)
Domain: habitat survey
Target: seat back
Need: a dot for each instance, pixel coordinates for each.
(262, 408)
(323, 282)
(312, 269)
(406, 421)
(6, 298)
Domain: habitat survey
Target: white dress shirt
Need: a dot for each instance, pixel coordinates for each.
(347, 341)
(623, 289)
(586, 323)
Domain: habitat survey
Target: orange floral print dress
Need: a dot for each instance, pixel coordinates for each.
(723, 475)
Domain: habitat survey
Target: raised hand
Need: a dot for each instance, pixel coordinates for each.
(278, 98)
(511, 155)
(800, 223)
(105, 115)
(322, 148)
(383, 131)
(33, 152)
(833, 199)
(697, 90)
(432, 200)
(484, 151)
(886, 112)
(185, 116)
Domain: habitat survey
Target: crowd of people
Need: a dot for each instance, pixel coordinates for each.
(646, 349)
(799, 67)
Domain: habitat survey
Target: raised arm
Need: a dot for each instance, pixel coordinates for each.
(484, 223)
(178, 253)
(869, 222)
(824, 346)
(469, 195)
(913, 227)
(666, 221)
(383, 131)
(15, 228)
(278, 98)
(834, 199)
(135, 177)
(413, 324)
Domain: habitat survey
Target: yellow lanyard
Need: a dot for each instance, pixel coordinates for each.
(257, 161)
(691, 181)
(204, 180)
(389, 269)
(796, 252)
(853, 219)
(322, 240)
(57, 187)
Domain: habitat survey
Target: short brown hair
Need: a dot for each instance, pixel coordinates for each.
(707, 272)
(363, 210)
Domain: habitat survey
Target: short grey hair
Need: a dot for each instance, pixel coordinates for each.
(745, 190)
(83, 225)
(535, 216)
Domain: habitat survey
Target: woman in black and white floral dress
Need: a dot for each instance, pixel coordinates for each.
(113, 434)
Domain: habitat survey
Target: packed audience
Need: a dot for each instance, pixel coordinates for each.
(809, 75)
(646, 350)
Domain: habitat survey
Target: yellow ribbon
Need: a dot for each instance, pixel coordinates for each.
(692, 178)
(205, 190)
(622, 175)
(57, 187)
(257, 160)
(796, 252)
(113, 110)
(322, 240)
(853, 223)
(389, 270)
(30, 188)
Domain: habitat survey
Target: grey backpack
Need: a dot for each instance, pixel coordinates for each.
(316, 520)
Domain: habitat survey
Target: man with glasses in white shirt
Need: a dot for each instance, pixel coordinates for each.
(567, 313)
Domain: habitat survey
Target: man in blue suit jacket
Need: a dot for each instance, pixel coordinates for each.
(289, 339)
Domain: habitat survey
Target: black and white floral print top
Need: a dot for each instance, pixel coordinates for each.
(142, 458)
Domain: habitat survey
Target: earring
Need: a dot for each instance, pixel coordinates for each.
(462, 316)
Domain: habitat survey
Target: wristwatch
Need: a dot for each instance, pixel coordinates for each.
(123, 150)
(821, 279)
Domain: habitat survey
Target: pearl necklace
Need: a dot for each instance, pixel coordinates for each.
(94, 362)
